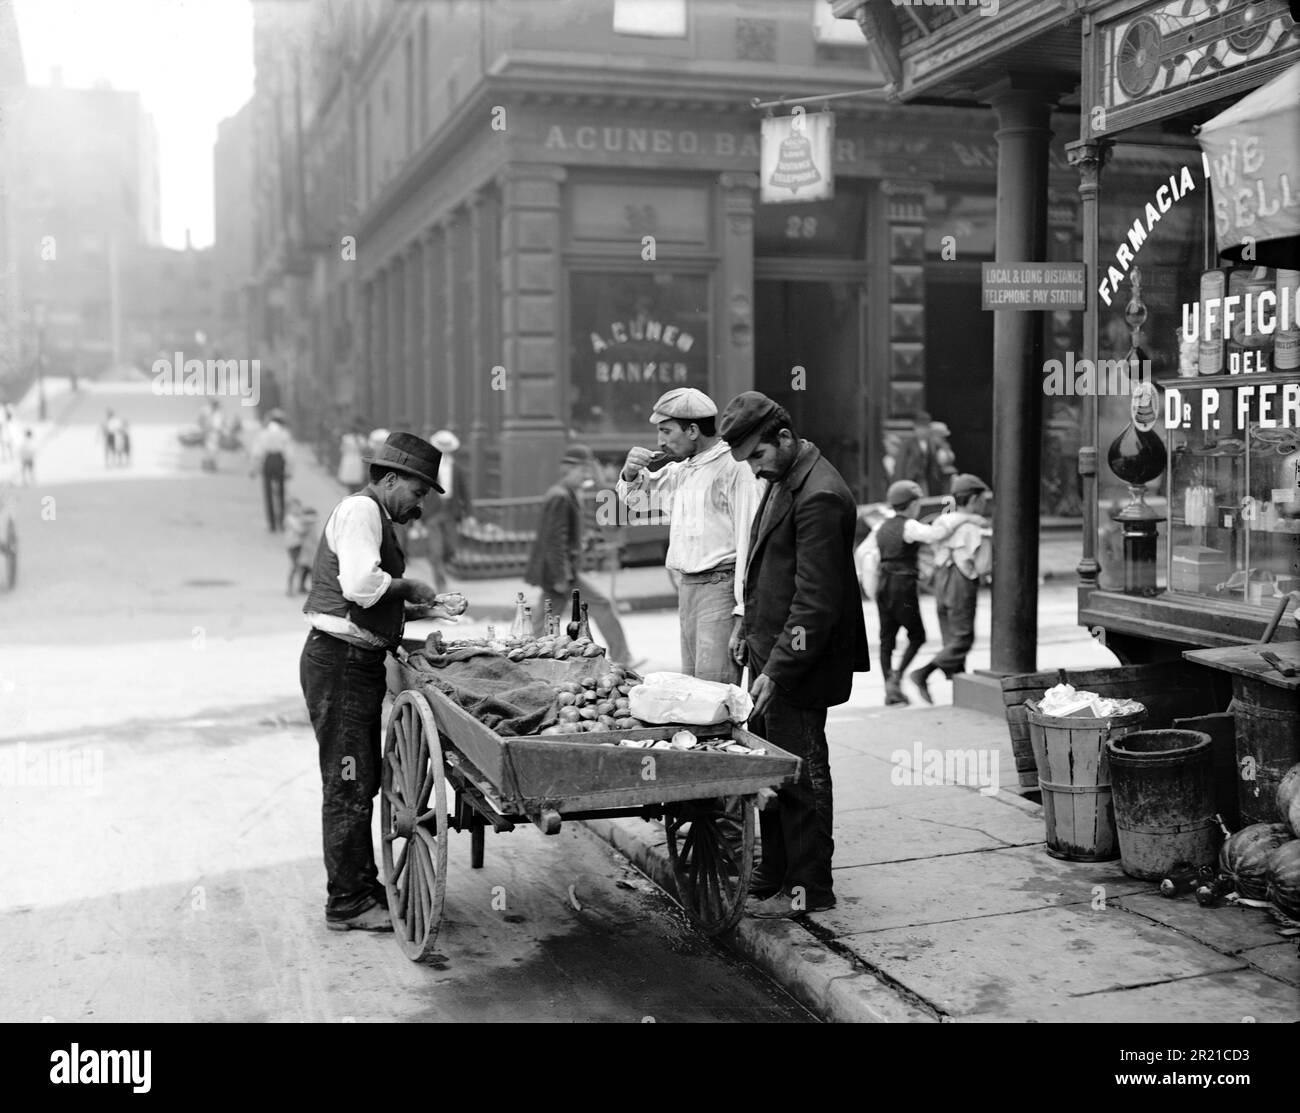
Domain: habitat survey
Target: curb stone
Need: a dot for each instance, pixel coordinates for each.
(821, 979)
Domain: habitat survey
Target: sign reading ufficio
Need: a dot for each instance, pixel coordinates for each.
(1034, 286)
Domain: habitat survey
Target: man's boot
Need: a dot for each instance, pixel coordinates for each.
(894, 690)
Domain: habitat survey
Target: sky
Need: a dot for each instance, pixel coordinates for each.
(191, 61)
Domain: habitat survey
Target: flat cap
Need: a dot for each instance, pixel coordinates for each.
(966, 482)
(578, 454)
(683, 404)
(902, 493)
(742, 421)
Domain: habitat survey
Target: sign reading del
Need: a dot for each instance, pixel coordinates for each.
(795, 164)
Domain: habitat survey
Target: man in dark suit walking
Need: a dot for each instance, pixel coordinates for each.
(803, 638)
(924, 459)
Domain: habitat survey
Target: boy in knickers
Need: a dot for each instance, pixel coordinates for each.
(889, 571)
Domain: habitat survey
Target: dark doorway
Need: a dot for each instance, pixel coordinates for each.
(816, 326)
(959, 364)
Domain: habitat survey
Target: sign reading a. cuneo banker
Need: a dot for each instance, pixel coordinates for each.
(1034, 286)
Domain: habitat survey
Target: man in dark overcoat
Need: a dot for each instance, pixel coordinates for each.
(803, 638)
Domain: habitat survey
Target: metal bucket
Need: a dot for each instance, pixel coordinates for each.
(1268, 744)
(1074, 774)
(1163, 785)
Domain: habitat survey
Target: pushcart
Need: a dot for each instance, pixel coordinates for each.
(443, 770)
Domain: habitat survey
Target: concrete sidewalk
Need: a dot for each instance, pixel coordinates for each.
(950, 908)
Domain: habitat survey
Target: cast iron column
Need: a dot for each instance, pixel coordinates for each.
(1023, 136)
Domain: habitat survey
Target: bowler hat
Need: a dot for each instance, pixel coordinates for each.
(743, 420)
(405, 452)
(684, 404)
(902, 493)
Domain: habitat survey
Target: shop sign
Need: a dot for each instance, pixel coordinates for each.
(1253, 162)
(642, 351)
(795, 164)
(1034, 286)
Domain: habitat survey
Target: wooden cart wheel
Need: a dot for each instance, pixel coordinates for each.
(712, 877)
(415, 828)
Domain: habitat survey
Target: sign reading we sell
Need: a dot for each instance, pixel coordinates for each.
(795, 164)
(1034, 286)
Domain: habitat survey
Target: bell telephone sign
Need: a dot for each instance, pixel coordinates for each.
(796, 164)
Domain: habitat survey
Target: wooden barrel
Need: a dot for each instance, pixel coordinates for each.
(1074, 776)
(1268, 744)
(1163, 784)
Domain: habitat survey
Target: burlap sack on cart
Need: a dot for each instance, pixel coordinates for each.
(496, 691)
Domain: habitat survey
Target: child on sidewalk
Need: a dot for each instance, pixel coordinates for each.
(302, 536)
(888, 569)
(957, 564)
(27, 459)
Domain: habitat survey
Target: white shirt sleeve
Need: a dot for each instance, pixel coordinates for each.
(745, 495)
(938, 530)
(354, 533)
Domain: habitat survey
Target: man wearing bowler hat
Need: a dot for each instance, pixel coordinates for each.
(802, 637)
(357, 608)
(711, 501)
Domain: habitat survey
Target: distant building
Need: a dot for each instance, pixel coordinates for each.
(85, 195)
(233, 258)
(12, 83)
(524, 221)
(170, 304)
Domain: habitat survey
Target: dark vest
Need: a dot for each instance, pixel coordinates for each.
(386, 618)
(896, 555)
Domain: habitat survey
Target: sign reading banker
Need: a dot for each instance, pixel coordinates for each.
(796, 157)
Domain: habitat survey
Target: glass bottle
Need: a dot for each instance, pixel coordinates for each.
(528, 621)
(575, 620)
(548, 619)
(584, 627)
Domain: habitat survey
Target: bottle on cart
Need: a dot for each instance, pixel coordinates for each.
(584, 627)
(575, 620)
(528, 621)
(517, 627)
(548, 619)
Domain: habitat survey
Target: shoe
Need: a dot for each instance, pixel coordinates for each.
(894, 692)
(919, 678)
(372, 919)
(781, 907)
(761, 888)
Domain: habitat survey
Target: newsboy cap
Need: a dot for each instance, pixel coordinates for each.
(902, 493)
(966, 482)
(578, 454)
(683, 404)
(743, 420)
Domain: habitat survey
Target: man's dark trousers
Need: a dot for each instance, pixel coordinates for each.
(273, 490)
(344, 686)
(797, 842)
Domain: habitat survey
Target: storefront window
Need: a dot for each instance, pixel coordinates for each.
(633, 337)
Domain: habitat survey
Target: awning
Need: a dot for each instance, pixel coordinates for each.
(1253, 161)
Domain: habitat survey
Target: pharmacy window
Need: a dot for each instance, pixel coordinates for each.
(660, 18)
